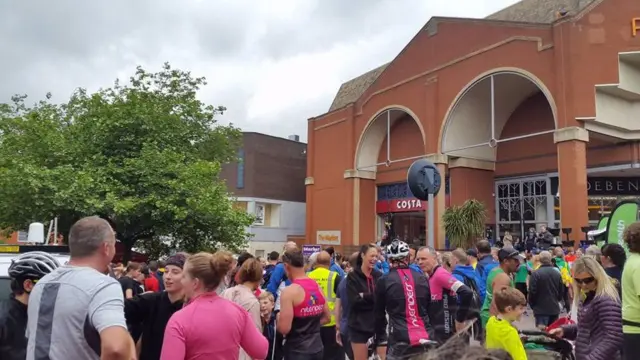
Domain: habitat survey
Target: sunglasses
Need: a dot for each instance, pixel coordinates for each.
(585, 281)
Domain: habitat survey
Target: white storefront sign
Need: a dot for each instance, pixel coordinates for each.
(328, 237)
(411, 204)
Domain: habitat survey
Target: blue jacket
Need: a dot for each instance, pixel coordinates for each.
(483, 268)
(468, 271)
(336, 268)
(344, 305)
(415, 267)
(382, 266)
(277, 276)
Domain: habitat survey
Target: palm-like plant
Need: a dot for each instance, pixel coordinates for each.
(464, 224)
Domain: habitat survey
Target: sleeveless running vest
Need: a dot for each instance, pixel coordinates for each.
(304, 337)
(484, 313)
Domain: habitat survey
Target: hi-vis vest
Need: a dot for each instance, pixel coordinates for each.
(326, 280)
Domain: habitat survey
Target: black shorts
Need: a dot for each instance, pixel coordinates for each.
(359, 337)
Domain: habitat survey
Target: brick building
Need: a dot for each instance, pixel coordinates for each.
(532, 110)
(268, 182)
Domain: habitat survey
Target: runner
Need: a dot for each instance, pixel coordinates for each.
(361, 284)
(24, 272)
(153, 310)
(210, 327)
(302, 310)
(446, 293)
(404, 294)
(498, 278)
(84, 306)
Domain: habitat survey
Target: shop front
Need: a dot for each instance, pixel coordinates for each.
(400, 215)
(529, 202)
(512, 115)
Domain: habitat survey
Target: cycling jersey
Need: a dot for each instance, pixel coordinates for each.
(13, 325)
(444, 304)
(404, 295)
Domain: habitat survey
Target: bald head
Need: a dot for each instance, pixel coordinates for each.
(87, 235)
(323, 259)
(290, 246)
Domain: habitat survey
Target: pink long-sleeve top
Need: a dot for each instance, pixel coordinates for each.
(211, 327)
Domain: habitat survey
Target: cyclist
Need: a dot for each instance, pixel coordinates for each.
(24, 272)
(404, 294)
(451, 299)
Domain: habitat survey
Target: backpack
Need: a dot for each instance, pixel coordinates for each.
(476, 303)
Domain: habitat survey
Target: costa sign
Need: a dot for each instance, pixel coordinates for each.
(400, 205)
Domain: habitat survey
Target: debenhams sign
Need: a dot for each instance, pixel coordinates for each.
(613, 186)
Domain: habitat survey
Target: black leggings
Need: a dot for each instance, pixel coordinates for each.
(294, 355)
(631, 346)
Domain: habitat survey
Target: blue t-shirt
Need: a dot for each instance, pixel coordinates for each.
(344, 305)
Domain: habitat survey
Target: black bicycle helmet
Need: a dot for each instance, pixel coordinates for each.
(32, 265)
(397, 250)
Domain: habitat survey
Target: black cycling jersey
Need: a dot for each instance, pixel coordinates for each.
(404, 295)
(13, 326)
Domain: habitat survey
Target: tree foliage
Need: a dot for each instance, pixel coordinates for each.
(145, 155)
(464, 224)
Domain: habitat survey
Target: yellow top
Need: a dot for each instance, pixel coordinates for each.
(502, 335)
(326, 281)
(631, 293)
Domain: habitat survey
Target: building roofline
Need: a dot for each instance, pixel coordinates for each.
(272, 136)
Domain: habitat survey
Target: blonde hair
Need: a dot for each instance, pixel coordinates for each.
(266, 295)
(210, 268)
(604, 285)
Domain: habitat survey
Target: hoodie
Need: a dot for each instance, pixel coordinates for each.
(460, 271)
(336, 268)
(483, 268)
(361, 316)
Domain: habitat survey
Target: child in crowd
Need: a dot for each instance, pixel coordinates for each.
(501, 334)
(267, 305)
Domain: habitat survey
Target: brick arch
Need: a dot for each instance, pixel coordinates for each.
(467, 130)
(375, 133)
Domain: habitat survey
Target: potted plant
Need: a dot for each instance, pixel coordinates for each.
(464, 224)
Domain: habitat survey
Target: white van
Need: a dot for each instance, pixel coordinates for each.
(8, 253)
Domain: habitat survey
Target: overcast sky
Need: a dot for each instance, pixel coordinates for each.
(272, 63)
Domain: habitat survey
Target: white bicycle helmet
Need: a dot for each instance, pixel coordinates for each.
(397, 250)
(32, 265)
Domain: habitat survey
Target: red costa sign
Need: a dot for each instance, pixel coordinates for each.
(403, 205)
(400, 205)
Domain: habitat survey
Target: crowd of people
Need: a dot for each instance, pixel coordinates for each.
(395, 302)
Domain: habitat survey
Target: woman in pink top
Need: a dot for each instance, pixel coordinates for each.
(210, 327)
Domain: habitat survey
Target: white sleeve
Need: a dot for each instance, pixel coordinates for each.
(107, 307)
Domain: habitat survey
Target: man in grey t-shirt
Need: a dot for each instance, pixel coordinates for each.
(77, 312)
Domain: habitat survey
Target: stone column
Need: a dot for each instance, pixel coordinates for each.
(440, 160)
(572, 174)
(363, 207)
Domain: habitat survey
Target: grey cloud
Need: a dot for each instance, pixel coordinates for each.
(331, 22)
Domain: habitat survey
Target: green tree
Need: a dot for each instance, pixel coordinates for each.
(145, 155)
(464, 224)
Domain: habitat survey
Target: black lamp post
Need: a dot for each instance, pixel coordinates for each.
(567, 232)
(585, 230)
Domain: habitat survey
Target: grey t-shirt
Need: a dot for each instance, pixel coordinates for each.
(67, 311)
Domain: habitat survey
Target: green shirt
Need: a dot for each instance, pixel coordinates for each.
(521, 274)
(489, 294)
(631, 293)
